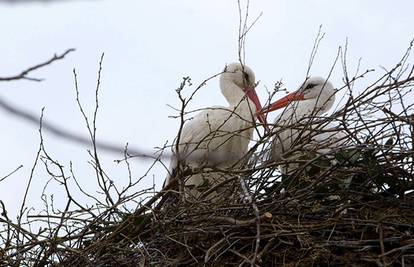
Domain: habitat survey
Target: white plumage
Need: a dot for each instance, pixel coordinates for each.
(300, 127)
(218, 137)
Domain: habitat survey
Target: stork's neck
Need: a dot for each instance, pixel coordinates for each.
(236, 98)
(310, 107)
(306, 108)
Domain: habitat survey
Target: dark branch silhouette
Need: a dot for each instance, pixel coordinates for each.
(23, 74)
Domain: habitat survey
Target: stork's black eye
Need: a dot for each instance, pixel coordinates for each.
(310, 85)
(246, 76)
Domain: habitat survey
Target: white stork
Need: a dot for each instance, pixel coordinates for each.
(300, 127)
(218, 137)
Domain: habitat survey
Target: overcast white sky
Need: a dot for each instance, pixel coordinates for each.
(149, 46)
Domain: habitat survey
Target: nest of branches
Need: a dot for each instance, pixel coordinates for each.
(353, 206)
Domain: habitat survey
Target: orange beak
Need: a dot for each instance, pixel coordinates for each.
(251, 94)
(283, 102)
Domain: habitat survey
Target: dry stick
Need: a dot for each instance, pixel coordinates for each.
(257, 220)
(98, 168)
(411, 245)
(69, 201)
(243, 30)
(23, 74)
(381, 241)
(8, 240)
(11, 173)
(29, 182)
(267, 216)
(210, 251)
(92, 131)
(62, 175)
(179, 166)
(315, 47)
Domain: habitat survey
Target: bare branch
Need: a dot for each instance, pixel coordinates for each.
(24, 74)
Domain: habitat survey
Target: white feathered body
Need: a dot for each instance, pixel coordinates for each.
(302, 128)
(218, 137)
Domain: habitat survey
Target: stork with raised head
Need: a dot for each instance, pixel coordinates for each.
(300, 128)
(218, 137)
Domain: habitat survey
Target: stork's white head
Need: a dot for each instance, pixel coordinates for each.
(238, 81)
(321, 91)
(318, 92)
(239, 74)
